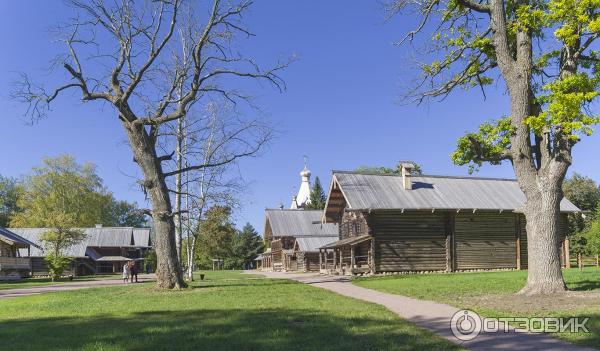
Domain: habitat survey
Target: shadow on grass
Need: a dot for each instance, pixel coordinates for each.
(584, 285)
(217, 329)
(219, 283)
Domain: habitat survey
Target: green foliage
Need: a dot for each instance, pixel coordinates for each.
(57, 265)
(150, 260)
(584, 193)
(9, 191)
(317, 196)
(124, 214)
(216, 234)
(487, 144)
(578, 243)
(563, 106)
(417, 170)
(247, 245)
(64, 187)
(591, 233)
(565, 69)
(59, 239)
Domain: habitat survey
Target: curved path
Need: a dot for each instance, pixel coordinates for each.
(431, 315)
(35, 290)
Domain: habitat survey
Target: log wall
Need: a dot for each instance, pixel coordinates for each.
(485, 240)
(353, 224)
(411, 241)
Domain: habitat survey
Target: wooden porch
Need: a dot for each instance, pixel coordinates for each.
(15, 263)
(348, 256)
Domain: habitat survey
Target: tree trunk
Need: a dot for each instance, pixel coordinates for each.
(191, 250)
(542, 212)
(178, 187)
(168, 270)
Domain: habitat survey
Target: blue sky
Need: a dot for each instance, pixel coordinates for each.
(341, 106)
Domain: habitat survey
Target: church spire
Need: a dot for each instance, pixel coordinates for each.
(303, 197)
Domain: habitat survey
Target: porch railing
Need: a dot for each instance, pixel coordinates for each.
(15, 263)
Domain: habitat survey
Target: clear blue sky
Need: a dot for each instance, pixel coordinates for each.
(340, 107)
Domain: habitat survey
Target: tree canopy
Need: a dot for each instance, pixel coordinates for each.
(9, 192)
(317, 197)
(219, 239)
(72, 192)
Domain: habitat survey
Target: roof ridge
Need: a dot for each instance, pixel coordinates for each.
(292, 210)
(423, 175)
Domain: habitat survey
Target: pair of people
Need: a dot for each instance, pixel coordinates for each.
(130, 271)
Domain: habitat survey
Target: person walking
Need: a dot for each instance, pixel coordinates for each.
(126, 272)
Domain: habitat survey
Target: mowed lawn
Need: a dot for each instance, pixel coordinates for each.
(226, 311)
(30, 282)
(492, 294)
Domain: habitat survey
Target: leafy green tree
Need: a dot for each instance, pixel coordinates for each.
(9, 191)
(317, 196)
(544, 52)
(247, 244)
(580, 246)
(592, 234)
(64, 186)
(216, 236)
(124, 214)
(58, 240)
(585, 194)
(582, 191)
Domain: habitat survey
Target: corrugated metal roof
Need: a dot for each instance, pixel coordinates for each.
(372, 191)
(33, 234)
(15, 238)
(312, 244)
(141, 237)
(299, 223)
(95, 237)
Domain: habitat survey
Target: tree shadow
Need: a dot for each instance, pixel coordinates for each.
(217, 329)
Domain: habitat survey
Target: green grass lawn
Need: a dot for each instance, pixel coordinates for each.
(30, 282)
(492, 295)
(226, 311)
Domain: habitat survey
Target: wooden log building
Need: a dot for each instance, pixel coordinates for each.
(104, 249)
(283, 229)
(15, 260)
(407, 223)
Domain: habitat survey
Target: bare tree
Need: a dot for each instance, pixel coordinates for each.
(127, 55)
(217, 136)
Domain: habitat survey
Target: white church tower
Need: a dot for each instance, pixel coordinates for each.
(303, 197)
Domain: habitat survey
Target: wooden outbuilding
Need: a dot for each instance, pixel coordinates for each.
(284, 227)
(15, 260)
(408, 223)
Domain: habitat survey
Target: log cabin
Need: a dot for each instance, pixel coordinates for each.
(104, 249)
(283, 229)
(15, 262)
(415, 223)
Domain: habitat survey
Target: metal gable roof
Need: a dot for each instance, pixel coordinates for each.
(33, 234)
(312, 244)
(95, 237)
(141, 237)
(374, 191)
(12, 237)
(299, 223)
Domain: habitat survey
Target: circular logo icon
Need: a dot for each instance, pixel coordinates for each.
(465, 325)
